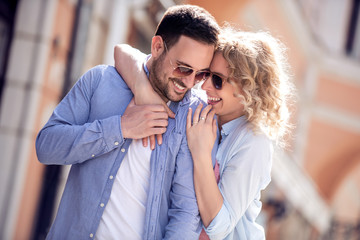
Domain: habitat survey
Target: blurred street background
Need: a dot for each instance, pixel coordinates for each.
(46, 45)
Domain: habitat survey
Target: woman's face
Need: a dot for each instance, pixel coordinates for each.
(224, 103)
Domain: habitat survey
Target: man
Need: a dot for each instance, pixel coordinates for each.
(116, 189)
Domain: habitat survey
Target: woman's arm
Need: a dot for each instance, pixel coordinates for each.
(246, 172)
(201, 136)
(129, 64)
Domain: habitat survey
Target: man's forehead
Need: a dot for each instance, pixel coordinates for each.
(192, 53)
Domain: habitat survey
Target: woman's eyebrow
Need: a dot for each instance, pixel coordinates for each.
(220, 74)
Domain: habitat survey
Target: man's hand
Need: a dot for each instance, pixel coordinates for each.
(146, 91)
(139, 121)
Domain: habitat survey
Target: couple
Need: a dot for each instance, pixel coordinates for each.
(117, 189)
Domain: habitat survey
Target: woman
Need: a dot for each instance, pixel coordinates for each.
(248, 90)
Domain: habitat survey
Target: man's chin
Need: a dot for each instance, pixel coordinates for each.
(176, 97)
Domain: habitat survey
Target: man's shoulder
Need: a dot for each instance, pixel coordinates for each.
(104, 70)
(103, 74)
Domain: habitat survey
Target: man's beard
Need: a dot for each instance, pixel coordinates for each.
(161, 84)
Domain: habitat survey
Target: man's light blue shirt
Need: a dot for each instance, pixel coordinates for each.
(245, 166)
(84, 131)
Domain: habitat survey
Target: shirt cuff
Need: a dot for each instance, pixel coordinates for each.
(220, 224)
(112, 132)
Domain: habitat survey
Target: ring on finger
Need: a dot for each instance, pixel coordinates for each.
(202, 118)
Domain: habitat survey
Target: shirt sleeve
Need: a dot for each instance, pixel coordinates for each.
(247, 171)
(184, 217)
(68, 137)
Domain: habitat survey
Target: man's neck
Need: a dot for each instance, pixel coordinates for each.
(165, 99)
(155, 88)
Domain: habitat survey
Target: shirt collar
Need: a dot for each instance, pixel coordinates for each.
(229, 127)
(144, 65)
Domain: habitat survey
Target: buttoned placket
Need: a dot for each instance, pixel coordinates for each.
(160, 167)
(107, 192)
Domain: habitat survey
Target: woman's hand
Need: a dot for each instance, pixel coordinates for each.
(201, 136)
(201, 132)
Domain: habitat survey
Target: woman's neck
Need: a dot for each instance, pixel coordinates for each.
(222, 120)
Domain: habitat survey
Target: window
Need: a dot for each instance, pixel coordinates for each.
(7, 16)
(334, 25)
(353, 40)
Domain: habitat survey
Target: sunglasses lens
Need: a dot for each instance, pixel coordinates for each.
(217, 81)
(201, 76)
(182, 71)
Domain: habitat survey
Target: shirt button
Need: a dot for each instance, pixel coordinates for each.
(123, 150)
(93, 155)
(111, 177)
(91, 235)
(116, 143)
(102, 205)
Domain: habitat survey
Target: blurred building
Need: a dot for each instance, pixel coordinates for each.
(45, 45)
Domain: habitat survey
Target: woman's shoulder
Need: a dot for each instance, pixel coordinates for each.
(245, 137)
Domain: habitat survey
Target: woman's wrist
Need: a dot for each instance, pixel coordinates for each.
(201, 160)
(143, 92)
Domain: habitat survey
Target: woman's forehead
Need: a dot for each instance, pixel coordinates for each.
(219, 64)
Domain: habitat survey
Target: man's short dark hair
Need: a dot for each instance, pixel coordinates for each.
(188, 20)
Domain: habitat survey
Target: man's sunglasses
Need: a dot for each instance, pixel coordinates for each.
(184, 71)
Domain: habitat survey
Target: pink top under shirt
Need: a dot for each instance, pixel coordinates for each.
(203, 235)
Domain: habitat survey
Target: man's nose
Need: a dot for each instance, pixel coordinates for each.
(189, 81)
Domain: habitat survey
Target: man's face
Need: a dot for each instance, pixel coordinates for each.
(185, 53)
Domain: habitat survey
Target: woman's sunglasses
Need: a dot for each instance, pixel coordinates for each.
(217, 81)
(183, 71)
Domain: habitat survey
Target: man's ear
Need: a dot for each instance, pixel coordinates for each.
(157, 46)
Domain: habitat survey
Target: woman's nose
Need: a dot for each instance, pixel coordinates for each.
(207, 84)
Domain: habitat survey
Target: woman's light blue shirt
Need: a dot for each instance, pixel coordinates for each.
(245, 160)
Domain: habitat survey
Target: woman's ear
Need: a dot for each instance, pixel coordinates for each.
(157, 46)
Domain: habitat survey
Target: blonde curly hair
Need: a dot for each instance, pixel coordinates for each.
(259, 73)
